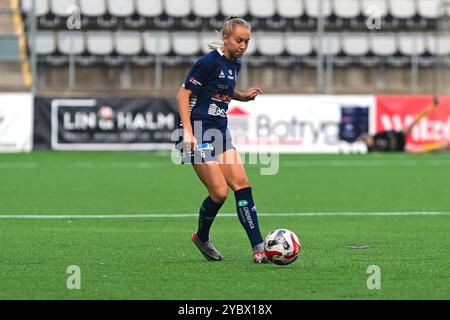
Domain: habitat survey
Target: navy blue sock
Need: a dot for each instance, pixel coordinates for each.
(208, 212)
(247, 215)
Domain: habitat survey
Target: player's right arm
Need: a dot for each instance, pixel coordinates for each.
(430, 108)
(183, 97)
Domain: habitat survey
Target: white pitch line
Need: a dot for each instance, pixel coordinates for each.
(282, 163)
(362, 163)
(195, 215)
(29, 165)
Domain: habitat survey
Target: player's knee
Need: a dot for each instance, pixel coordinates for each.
(240, 183)
(219, 195)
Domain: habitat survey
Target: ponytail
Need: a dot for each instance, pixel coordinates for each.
(218, 43)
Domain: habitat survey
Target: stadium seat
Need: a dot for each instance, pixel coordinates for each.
(93, 8)
(383, 44)
(177, 8)
(438, 45)
(205, 8)
(62, 8)
(205, 39)
(347, 9)
(270, 43)
(290, 8)
(385, 47)
(128, 42)
(95, 14)
(156, 42)
(264, 15)
(71, 42)
(312, 8)
(431, 9)
(378, 8)
(180, 12)
(99, 42)
(45, 43)
(154, 12)
(42, 7)
(355, 44)
(298, 44)
(234, 8)
(185, 43)
(402, 9)
(428, 9)
(120, 8)
(331, 44)
(411, 43)
(149, 9)
(414, 45)
(261, 8)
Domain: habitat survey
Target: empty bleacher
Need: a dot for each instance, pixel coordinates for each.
(209, 14)
(171, 34)
(268, 46)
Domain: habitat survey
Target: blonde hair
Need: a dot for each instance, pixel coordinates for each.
(227, 28)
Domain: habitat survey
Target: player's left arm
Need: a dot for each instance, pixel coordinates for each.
(248, 95)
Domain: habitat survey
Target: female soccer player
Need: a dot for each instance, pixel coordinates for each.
(205, 142)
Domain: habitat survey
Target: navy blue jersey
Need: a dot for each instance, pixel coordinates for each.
(212, 80)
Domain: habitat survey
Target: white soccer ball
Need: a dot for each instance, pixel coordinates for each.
(282, 246)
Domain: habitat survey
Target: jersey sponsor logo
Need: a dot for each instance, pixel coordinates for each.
(230, 76)
(221, 75)
(214, 110)
(242, 203)
(221, 97)
(192, 101)
(194, 81)
(223, 86)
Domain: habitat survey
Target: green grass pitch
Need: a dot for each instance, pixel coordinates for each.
(153, 257)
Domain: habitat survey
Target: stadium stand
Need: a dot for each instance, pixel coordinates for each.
(171, 34)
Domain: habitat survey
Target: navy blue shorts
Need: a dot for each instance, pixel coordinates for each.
(210, 143)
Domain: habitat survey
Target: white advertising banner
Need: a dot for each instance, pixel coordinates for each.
(16, 122)
(297, 124)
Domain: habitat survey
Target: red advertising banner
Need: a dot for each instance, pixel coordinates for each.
(398, 112)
